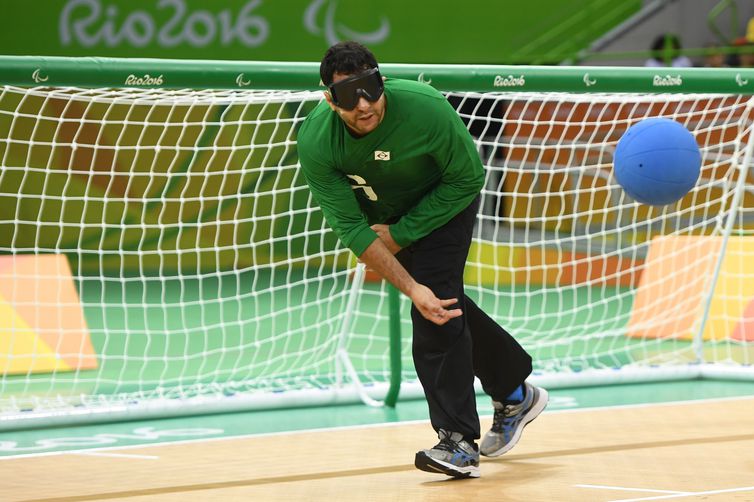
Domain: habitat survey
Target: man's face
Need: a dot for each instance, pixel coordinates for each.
(365, 116)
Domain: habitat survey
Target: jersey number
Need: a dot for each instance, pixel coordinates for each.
(362, 183)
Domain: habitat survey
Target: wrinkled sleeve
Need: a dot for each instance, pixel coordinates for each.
(334, 195)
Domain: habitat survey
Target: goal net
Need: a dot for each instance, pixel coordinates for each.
(160, 252)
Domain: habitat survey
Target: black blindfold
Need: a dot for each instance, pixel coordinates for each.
(346, 93)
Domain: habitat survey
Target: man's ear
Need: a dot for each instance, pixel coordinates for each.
(328, 98)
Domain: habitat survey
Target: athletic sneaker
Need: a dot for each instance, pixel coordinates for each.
(452, 456)
(510, 419)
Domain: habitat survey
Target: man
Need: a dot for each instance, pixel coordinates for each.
(393, 154)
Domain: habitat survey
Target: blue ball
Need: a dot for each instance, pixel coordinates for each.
(657, 161)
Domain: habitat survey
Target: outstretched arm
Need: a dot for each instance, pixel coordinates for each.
(381, 260)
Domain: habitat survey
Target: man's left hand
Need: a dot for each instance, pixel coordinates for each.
(383, 231)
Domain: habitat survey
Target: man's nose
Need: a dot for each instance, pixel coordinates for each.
(363, 104)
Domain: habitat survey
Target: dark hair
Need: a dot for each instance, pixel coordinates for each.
(659, 43)
(347, 58)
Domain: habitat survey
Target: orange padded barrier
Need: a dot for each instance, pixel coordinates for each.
(42, 325)
(673, 289)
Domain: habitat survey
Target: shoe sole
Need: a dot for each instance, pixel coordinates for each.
(424, 462)
(533, 413)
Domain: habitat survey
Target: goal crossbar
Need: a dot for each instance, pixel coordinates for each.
(204, 74)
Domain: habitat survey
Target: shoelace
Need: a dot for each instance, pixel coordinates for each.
(446, 444)
(501, 416)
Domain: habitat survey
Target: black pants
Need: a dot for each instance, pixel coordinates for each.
(448, 357)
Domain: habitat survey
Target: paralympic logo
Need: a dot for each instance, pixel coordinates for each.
(335, 32)
(241, 82)
(37, 76)
(173, 23)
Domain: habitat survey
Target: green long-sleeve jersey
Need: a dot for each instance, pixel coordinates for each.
(416, 170)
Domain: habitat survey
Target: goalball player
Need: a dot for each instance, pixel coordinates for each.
(398, 177)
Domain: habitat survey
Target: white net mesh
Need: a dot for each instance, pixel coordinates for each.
(201, 268)
(561, 249)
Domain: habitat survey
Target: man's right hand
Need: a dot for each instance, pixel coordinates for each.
(381, 260)
(432, 308)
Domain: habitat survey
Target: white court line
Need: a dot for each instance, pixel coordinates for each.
(649, 405)
(689, 494)
(116, 455)
(670, 494)
(349, 427)
(630, 489)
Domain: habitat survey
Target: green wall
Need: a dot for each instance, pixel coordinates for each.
(420, 31)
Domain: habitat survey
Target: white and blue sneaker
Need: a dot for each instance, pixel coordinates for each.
(510, 419)
(452, 456)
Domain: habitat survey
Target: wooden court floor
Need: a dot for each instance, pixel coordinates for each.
(687, 451)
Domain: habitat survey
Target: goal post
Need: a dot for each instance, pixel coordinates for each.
(160, 252)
